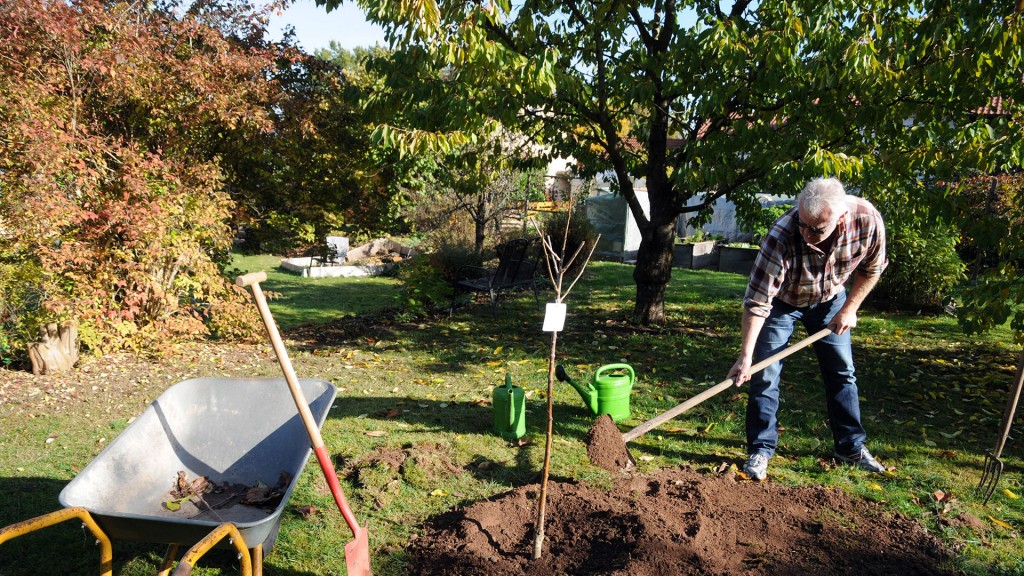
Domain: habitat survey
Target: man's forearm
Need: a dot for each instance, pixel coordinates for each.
(751, 327)
(862, 286)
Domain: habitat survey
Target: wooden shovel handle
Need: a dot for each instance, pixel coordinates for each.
(723, 385)
(252, 280)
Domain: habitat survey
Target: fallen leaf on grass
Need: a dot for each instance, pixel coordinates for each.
(875, 486)
(389, 413)
(375, 433)
(1000, 523)
(727, 467)
(940, 496)
(1010, 494)
(307, 512)
(438, 492)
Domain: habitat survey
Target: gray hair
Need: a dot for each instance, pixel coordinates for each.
(821, 194)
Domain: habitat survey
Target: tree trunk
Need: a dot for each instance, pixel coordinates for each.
(480, 223)
(653, 271)
(57, 349)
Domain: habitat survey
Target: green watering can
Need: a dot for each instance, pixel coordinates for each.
(608, 393)
(508, 404)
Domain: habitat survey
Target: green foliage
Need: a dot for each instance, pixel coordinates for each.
(924, 267)
(21, 294)
(428, 279)
(762, 221)
(424, 286)
(996, 293)
(759, 96)
(5, 350)
(318, 172)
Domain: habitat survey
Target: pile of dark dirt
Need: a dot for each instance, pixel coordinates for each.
(605, 446)
(679, 522)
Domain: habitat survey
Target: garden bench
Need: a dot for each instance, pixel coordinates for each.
(517, 268)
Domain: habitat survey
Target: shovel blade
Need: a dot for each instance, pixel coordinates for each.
(357, 554)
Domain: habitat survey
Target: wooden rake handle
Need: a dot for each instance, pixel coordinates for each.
(717, 388)
(252, 280)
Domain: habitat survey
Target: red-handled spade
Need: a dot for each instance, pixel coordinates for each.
(357, 552)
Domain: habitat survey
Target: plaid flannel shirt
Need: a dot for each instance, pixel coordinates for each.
(802, 275)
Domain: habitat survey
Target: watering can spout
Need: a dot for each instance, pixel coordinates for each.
(588, 394)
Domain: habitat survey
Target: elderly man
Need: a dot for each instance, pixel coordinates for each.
(800, 275)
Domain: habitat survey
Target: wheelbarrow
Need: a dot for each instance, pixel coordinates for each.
(233, 431)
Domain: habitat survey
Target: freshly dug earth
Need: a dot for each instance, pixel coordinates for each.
(605, 447)
(679, 522)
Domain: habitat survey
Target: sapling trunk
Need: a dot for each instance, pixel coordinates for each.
(538, 542)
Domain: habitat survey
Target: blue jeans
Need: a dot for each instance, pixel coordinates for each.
(835, 358)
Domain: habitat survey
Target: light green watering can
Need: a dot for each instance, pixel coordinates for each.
(508, 405)
(608, 393)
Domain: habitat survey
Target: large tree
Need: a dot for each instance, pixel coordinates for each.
(702, 99)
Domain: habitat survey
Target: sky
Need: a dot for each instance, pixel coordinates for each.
(315, 27)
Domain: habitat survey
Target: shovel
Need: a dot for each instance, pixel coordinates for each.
(993, 465)
(599, 437)
(357, 552)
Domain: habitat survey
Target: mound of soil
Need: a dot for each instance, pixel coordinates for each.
(605, 446)
(680, 522)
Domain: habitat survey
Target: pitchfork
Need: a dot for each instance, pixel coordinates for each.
(993, 465)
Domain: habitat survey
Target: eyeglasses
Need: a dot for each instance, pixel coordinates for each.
(820, 231)
(812, 229)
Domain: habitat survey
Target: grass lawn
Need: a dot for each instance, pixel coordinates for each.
(419, 392)
(296, 300)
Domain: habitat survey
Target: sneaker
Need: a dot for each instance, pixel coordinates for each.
(863, 460)
(756, 466)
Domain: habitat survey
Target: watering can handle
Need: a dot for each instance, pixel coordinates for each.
(610, 367)
(511, 397)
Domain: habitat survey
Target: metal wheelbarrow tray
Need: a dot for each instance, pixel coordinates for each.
(236, 430)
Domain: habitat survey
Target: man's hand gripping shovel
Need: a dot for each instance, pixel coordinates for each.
(357, 552)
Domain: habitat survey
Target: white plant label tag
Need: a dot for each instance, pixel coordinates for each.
(554, 317)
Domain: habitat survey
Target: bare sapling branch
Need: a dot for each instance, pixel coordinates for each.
(556, 273)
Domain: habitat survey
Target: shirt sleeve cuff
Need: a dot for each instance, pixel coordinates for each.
(757, 308)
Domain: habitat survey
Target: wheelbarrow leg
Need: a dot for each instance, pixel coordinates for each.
(257, 559)
(226, 530)
(46, 520)
(168, 562)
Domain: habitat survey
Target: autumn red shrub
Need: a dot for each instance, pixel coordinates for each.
(110, 187)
